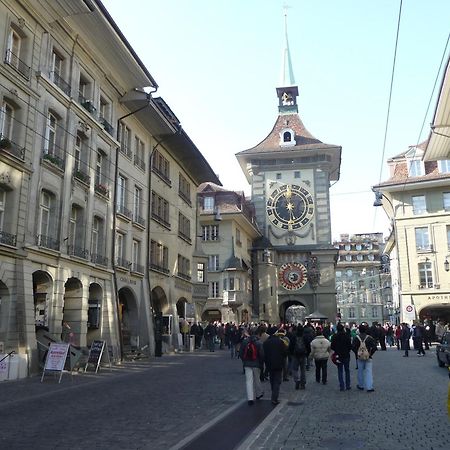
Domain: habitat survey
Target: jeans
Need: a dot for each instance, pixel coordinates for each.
(275, 382)
(299, 362)
(252, 382)
(344, 365)
(365, 379)
(321, 367)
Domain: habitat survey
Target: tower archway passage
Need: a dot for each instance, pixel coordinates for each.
(292, 311)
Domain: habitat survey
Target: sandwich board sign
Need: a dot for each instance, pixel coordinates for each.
(56, 358)
(95, 355)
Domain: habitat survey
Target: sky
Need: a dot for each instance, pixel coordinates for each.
(218, 63)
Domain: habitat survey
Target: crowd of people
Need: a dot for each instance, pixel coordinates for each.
(276, 352)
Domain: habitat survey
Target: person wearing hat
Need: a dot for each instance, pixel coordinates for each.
(275, 352)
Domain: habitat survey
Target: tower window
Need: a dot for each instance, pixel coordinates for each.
(287, 137)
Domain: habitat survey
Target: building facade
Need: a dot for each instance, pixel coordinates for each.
(416, 198)
(97, 187)
(290, 172)
(363, 283)
(227, 228)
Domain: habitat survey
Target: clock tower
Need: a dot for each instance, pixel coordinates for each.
(290, 172)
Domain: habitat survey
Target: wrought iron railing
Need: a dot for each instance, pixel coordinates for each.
(139, 220)
(7, 238)
(54, 159)
(99, 259)
(47, 242)
(11, 147)
(124, 211)
(184, 236)
(122, 262)
(82, 176)
(61, 82)
(160, 220)
(15, 62)
(102, 190)
(185, 197)
(139, 162)
(138, 268)
(106, 125)
(184, 276)
(79, 252)
(162, 176)
(159, 268)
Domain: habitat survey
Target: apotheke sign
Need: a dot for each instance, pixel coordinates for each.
(439, 297)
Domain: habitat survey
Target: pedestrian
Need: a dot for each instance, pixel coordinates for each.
(341, 344)
(320, 352)
(275, 352)
(419, 332)
(281, 333)
(210, 335)
(364, 347)
(405, 335)
(308, 336)
(398, 332)
(298, 352)
(234, 340)
(252, 356)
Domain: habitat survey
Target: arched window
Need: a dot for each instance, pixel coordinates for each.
(287, 136)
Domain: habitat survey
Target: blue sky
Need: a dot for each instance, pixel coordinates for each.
(218, 62)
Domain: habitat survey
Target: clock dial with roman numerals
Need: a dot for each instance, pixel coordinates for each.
(290, 207)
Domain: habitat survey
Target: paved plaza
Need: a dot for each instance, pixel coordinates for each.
(167, 402)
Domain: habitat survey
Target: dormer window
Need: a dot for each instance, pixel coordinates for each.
(415, 168)
(287, 137)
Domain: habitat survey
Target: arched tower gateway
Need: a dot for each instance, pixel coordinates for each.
(290, 172)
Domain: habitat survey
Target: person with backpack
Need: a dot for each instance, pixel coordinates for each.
(252, 356)
(299, 354)
(364, 347)
(341, 344)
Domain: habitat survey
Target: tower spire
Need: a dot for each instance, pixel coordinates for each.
(287, 74)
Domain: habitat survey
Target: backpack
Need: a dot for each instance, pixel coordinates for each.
(300, 347)
(250, 352)
(363, 353)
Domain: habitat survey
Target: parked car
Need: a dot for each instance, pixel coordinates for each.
(443, 350)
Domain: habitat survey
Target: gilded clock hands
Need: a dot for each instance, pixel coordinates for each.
(288, 193)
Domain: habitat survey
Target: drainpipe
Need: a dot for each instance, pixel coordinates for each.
(113, 248)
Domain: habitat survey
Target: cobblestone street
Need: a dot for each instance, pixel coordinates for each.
(164, 402)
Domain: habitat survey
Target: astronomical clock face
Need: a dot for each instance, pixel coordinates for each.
(292, 276)
(290, 207)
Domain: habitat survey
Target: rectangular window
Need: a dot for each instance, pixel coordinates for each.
(13, 48)
(125, 139)
(200, 272)
(419, 204)
(120, 247)
(121, 193)
(95, 236)
(44, 220)
(444, 165)
(214, 289)
(446, 201)
(50, 134)
(137, 204)
(210, 232)
(2, 207)
(213, 263)
(351, 313)
(208, 204)
(73, 226)
(160, 210)
(297, 174)
(184, 267)
(139, 153)
(238, 238)
(184, 189)
(98, 169)
(159, 256)
(136, 257)
(426, 275)
(161, 166)
(422, 239)
(374, 312)
(6, 120)
(448, 237)
(415, 168)
(278, 176)
(184, 227)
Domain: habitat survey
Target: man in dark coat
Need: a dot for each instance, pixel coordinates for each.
(275, 352)
(308, 336)
(341, 344)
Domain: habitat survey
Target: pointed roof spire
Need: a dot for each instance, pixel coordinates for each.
(287, 73)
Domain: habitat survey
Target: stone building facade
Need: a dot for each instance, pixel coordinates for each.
(97, 186)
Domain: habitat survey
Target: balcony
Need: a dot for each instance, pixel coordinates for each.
(79, 252)
(8, 146)
(159, 268)
(106, 125)
(61, 83)
(99, 259)
(47, 242)
(124, 211)
(137, 219)
(54, 160)
(13, 60)
(139, 162)
(81, 176)
(125, 150)
(137, 268)
(123, 263)
(88, 105)
(233, 298)
(102, 190)
(8, 239)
